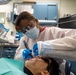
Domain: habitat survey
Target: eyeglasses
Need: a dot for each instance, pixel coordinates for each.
(28, 27)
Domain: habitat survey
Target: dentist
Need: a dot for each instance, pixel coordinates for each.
(33, 32)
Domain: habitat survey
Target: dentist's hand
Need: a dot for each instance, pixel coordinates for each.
(35, 49)
(26, 54)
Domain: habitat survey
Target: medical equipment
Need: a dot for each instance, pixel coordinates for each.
(35, 49)
(26, 46)
(3, 31)
(68, 22)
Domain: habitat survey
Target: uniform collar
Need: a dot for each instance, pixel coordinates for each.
(42, 29)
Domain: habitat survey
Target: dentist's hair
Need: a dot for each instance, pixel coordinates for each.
(23, 15)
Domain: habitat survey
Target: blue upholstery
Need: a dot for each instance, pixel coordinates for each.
(68, 66)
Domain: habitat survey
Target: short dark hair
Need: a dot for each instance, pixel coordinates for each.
(53, 66)
(23, 15)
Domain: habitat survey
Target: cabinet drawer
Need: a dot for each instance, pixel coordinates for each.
(8, 51)
(8, 56)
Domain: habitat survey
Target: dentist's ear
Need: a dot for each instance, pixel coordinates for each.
(38, 24)
(45, 72)
(36, 21)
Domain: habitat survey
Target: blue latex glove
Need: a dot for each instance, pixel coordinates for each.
(26, 54)
(35, 49)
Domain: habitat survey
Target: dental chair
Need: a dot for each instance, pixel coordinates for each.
(65, 64)
(68, 22)
(68, 67)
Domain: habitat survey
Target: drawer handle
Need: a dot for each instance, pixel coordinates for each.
(9, 51)
(9, 56)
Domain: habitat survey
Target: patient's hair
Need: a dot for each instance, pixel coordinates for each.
(52, 68)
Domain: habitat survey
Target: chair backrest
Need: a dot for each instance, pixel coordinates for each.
(68, 66)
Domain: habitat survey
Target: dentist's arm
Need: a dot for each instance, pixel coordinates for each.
(27, 53)
(19, 50)
(66, 43)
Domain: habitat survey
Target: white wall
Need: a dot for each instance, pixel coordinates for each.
(67, 7)
(5, 8)
(64, 7)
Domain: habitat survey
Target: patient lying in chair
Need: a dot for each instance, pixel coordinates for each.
(34, 66)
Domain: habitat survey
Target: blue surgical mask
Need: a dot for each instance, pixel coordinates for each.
(32, 33)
